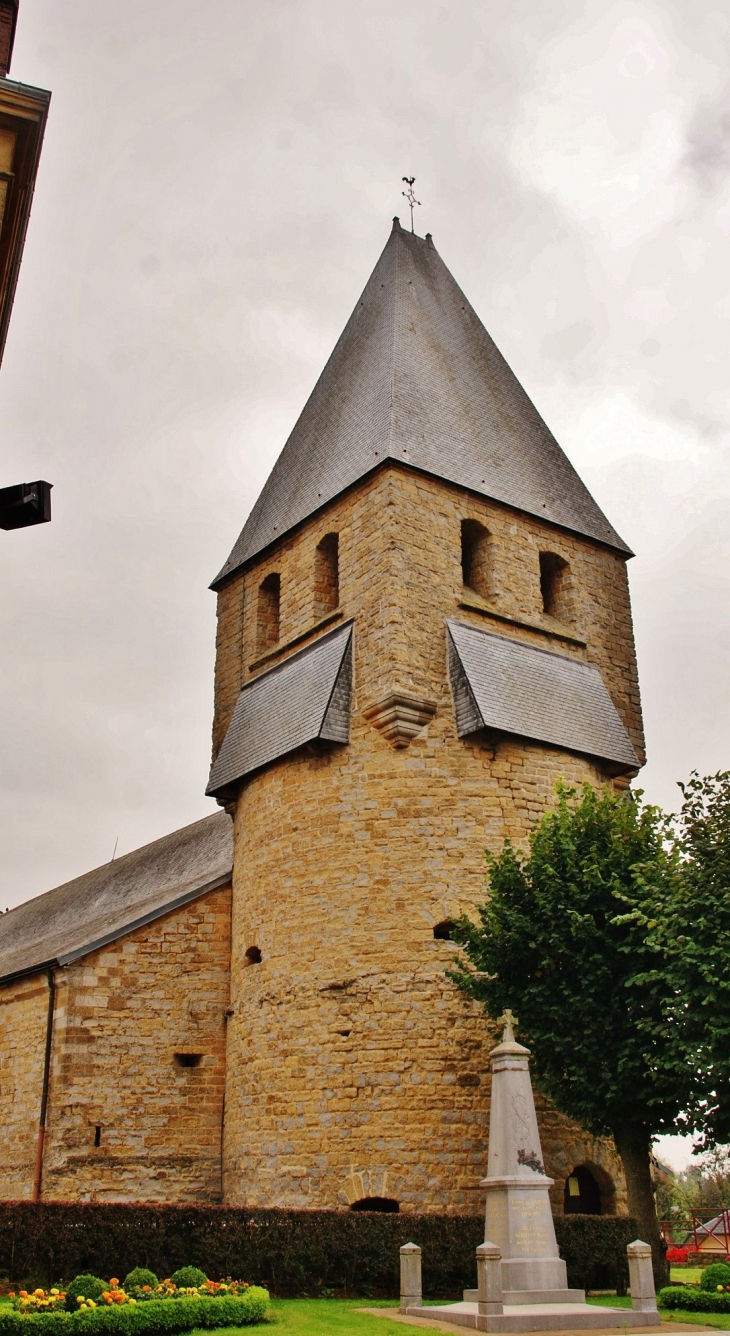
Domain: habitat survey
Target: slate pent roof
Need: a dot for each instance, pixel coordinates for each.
(505, 685)
(86, 913)
(304, 698)
(416, 378)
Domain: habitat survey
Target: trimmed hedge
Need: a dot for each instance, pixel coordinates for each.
(290, 1252)
(594, 1248)
(693, 1299)
(159, 1317)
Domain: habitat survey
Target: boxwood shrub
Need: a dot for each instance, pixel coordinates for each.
(290, 1252)
(693, 1299)
(159, 1317)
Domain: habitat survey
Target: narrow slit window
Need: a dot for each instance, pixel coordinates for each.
(188, 1059)
(475, 571)
(554, 577)
(442, 931)
(269, 607)
(327, 575)
(97, 1136)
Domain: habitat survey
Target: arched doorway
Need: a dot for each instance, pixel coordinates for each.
(582, 1193)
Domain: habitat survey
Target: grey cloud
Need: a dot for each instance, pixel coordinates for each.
(215, 187)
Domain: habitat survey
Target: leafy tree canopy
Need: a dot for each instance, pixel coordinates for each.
(692, 938)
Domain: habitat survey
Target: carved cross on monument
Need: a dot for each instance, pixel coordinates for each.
(510, 1024)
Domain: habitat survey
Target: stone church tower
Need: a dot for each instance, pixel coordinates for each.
(423, 625)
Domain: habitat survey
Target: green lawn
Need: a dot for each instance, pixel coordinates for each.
(719, 1320)
(316, 1317)
(310, 1317)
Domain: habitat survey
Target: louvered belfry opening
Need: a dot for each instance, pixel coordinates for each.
(268, 612)
(327, 575)
(475, 557)
(554, 574)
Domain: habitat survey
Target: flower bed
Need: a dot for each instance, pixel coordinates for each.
(156, 1318)
(142, 1306)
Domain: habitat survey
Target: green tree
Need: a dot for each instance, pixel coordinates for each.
(692, 936)
(565, 940)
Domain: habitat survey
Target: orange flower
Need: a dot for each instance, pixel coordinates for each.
(113, 1282)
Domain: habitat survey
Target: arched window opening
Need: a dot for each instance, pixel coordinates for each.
(267, 625)
(387, 1204)
(475, 557)
(582, 1193)
(442, 931)
(252, 956)
(554, 574)
(327, 575)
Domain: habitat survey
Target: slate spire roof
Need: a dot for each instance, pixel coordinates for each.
(415, 378)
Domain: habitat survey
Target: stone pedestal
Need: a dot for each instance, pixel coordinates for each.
(518, 1215)
(489, 1281)
(641, 1278)
(411, 1292)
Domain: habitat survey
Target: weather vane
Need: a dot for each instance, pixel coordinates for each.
(409, 195)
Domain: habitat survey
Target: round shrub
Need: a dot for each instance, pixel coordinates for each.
(139, 1277)
(90, 1286)
(190, 1276)
(718, 1273)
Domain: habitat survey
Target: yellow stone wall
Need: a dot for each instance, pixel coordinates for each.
(355, 1067)
(121, 1015)
(23, 1016)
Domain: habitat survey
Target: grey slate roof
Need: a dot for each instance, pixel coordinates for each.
(502, 684)
(111, 901)
(304, 698)
(416, 378)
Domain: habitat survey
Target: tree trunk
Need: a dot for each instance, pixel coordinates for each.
(633, 1143)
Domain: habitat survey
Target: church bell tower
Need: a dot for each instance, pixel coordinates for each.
(424, 624)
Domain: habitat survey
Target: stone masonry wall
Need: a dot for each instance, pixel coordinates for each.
(355, 1067)
(23, 1015)
(121, 1015)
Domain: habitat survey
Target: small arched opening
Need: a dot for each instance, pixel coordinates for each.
(268, 611)
(387, 1205)
(554, 581)
(475, 570)
(442, 931)
(583, 1194)
(327, 575)
(252, 956)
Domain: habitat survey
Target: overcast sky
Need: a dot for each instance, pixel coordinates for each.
(216, 185)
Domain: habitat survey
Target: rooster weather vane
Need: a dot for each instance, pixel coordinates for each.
(409, 195)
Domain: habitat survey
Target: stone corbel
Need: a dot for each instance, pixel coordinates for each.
(400, 716)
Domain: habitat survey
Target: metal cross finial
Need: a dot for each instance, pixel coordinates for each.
(510, 1023)
(409, 195)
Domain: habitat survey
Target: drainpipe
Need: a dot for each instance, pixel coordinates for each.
(44, 1094)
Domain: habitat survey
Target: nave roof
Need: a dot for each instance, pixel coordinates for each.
(100, 906)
